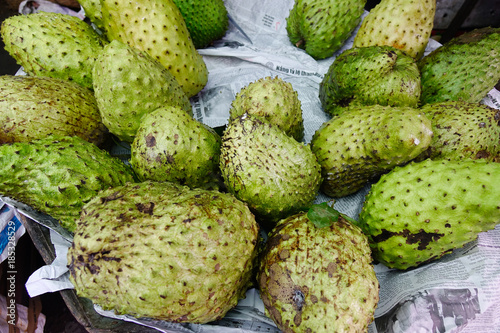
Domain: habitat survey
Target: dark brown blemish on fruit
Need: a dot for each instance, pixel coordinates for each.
(422, 238)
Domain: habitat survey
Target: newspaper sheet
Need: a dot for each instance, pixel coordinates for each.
(458, 293)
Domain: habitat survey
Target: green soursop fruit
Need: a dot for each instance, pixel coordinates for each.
(370, 75)
(320, 27)
(269, 170)
(403, 24)
(53, 44)
(92, 9)
(463, 130)
(57, 175)
(33, 107)
(464, 69)
(176, 254)
(318, 277)
(273, 99)
(363, 143)
(158, 28)
(128, 84)
(206, 20)
(419, 212)
(170, 145)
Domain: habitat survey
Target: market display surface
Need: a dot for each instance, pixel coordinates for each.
(274, 166)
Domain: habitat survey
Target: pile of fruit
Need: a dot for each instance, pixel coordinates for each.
(189, 203)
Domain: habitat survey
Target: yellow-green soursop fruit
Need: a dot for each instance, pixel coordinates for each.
(92, 9)
(170, 145)
(272, 172)
(157, 28)
(163, 251)
(53, 44)
(33, 107)
(128, 84)
(370, 75)
(274, 100)
(463, 130)
(57, 175)
(403, 24)
(419, 212)
(464, 69)
(321, 27)
(206, 20)
(365, 142)
(316, 274)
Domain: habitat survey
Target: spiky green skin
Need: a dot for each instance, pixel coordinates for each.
(170, 145)
(403, 24)
(273, 99)
(59, 174)
(53, 44)
(206, 20)
(463, 130)
(370, 75)
(365, 142)
(128, 84)
(33, 107)
(318, 279)
(93, 11)
(320, 27)
(463, 69)
(158, 28)
(417, 213)
(270, 171)
(175, 254)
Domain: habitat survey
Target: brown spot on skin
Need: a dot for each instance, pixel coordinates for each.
(422, 237)
(146, 208)
(331, 269)
(150, 140)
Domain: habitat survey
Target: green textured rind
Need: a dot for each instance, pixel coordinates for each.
(33, 107)
(170, 145)
(403, 24)
(463, 130)
(158, 28)
(163, 251)
(464, 69)
(365, 142)
(206, 20)
(128, 84)
(417, 213)
(53, 44)
(321, 27)
(92, 9)
(270, 171)
(370, 75)
(318, 279)
(58, 175)
(273, 99)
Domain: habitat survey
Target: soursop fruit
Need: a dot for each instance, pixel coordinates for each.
(206, 20)
(272, 172)
(34, 107)
(57, 175)
(403, 24)
(176, 254)
(316, 274)
(92, 10)
(370, 75)
(320, 27)
(170, 145)
(463, 130)
(464, 69)
(417, 213)
(53, 44)
(128, 84)
(273, 99)
(157, 28)
(363, 143)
